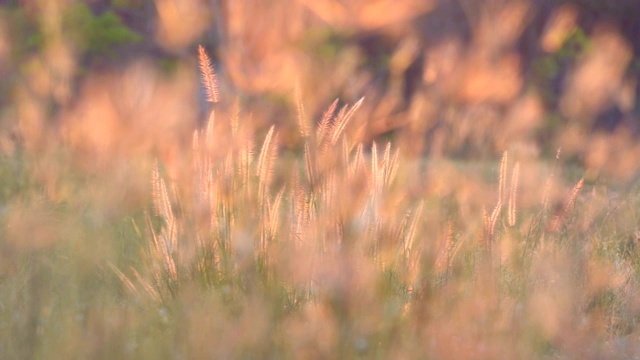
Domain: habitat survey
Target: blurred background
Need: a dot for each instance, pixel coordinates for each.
(454, 78)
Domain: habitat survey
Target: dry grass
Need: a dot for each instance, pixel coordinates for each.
(295, 226)
(340, 233)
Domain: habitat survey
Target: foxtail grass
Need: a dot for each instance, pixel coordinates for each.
(331, 234)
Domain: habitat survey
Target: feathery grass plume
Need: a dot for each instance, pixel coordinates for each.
(375, 187)
(502, 181)
(228, 170)
(226, 183)
(444, 254)
(204, 170)
(148, 288)
(195, 141)
(311, 211)
(357, 162)
(235, 118)
(386, 158)
(495, 215)
(207, 186)
(297, 206)
(160, 196)
(375, 177)
(274, 213)
(328, 191)
(246, 159)
(391, 164)
(400, 228)
(491, 221)
(513, 194)
(345, 153)
(342, 121)
(302, 118)
(323, 129)
(334, 124)
(559, 220)
(485, 240)
(454, 251)
(294, 184)
(339, 232)
(208, 75)
(125, 280)
(161, 253)
(411, 231)
(266, 160)
(242, 148)
(162, 207)
(310, 165)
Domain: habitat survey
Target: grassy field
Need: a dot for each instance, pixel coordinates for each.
(170, 211)
(337, 250)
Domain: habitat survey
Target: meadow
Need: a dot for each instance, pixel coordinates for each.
(288, 192)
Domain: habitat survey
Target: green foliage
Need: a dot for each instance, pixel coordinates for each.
(548, 71)
(23, 31)
(92, 35)
(97, 35)
(127, 4)
(549, 67)
(325, 45)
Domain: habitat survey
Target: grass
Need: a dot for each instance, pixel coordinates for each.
(341, 249)
(266, 233)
